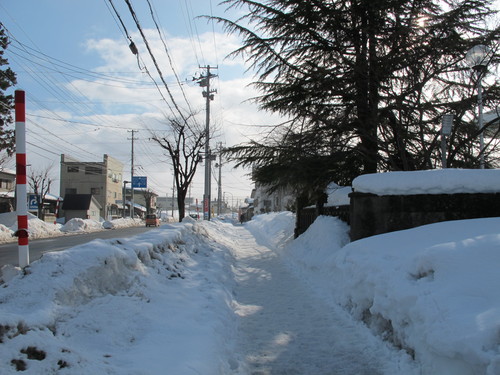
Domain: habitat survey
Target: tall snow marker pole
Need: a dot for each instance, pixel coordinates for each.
(57, 210)
(21, 202)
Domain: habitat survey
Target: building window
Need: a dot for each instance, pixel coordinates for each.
(5, 184)
(69, 191)
(73, 169)
(95, 191)
(89, 169)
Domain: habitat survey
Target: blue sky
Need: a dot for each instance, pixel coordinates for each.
(85, 91)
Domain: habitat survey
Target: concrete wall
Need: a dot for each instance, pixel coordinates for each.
(371, 214)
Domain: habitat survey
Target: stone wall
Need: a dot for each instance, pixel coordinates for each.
(372, 214)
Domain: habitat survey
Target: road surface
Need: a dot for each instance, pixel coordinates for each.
(9, 251)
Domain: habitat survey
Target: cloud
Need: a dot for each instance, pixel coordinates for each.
(117, 96)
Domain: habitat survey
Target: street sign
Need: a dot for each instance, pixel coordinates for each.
(32, 202)
(139, 182)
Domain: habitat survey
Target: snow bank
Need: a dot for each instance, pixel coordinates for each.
(6, 234)
(41, 229)
(436, 181)
(432, 291)
(273, 229)
(81, 225)
(154, 303)
(338, 195)
(37, 228)
(122, 223)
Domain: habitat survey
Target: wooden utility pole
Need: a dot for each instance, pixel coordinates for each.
(132, 174)
(204, 81)
(219, 183)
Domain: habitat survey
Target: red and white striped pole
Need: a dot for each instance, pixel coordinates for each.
(21, 193)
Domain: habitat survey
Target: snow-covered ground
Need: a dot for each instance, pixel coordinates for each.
(41, 229)
(221, 298)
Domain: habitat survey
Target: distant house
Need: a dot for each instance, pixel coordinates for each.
(265, 201)
(140, 202)
(7, 188)
(83, 206)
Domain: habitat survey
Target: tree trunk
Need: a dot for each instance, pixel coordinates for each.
(300, 203)
(181, 202)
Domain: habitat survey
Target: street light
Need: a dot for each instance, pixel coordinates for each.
(477, 58)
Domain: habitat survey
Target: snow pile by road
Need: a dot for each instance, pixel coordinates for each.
(80, 225)
(154, 303)
(41, 229)
(36, 227)
(432, 291)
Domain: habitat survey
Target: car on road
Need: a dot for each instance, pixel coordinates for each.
(152, 221)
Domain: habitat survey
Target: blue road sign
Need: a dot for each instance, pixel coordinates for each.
(32, 202)
(139, 182)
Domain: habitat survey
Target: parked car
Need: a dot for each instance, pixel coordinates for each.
(152, 221)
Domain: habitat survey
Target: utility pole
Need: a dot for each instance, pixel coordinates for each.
(204, 81)
(219, 195)
(132, 174)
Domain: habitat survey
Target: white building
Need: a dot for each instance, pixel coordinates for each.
(264, 201)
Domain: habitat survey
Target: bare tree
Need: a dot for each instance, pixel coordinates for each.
(148, 195)
(39, 183)
(183, 144)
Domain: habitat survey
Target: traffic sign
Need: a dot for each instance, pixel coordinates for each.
(32, 202)
(139, 182)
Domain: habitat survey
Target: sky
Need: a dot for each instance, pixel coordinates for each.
(86, 91)
(217, 297)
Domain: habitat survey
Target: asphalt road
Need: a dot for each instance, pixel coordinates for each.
(9, 251)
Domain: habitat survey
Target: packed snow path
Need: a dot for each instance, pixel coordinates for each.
(284, 329)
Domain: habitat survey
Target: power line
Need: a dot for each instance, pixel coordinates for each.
(189, 28)
(56, 136)
(57, 90)
(168, 56)
(18, 45)
(148, 47)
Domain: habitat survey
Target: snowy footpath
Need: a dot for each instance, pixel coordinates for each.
(284, 328)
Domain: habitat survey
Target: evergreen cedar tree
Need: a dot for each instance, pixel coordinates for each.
(7, 80)
(363, 84)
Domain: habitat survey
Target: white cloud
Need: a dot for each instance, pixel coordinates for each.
(122, 98)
